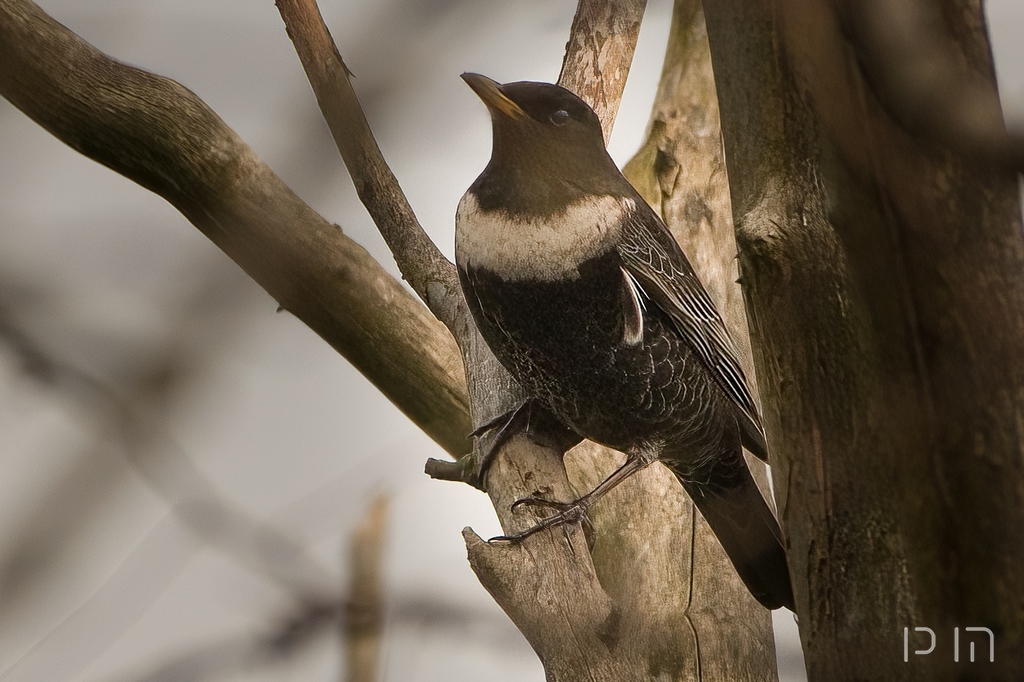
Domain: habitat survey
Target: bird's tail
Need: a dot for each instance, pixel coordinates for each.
(747, 529)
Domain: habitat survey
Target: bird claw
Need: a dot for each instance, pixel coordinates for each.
(569, 513)
(536, 500)
(501, 540)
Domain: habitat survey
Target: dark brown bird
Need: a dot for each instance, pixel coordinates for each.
(583, 295)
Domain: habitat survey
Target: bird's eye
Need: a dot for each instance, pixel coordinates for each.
(560, 117)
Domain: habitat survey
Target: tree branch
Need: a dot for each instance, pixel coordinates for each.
(925, 81)
(429, 273)
(601, 41)
(159, 134)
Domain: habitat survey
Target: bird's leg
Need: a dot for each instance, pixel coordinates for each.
(572, 512)
(510, 423)
(501, 420)
(532, 416)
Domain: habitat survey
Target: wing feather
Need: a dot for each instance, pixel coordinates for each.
(651, 256)
(633, 327)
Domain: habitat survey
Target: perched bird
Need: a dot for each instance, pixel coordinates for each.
(583, 295)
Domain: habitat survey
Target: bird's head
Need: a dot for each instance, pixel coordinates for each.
(544, 134)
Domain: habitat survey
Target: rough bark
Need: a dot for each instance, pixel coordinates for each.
(599, 52)
(884, 274)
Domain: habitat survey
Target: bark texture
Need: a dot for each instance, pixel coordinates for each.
(884, 272)
(599, 52)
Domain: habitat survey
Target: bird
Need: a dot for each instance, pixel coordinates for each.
(583, 295)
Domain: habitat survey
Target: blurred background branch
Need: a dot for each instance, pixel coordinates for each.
(927, 81)
(363, 628)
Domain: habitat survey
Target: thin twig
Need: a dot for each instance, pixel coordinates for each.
(431, 275)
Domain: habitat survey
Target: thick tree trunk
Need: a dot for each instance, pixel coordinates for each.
(884, 272)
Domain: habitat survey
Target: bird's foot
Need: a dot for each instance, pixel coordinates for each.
(536, 500)
(568, 513)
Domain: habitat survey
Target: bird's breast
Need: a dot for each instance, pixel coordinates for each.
(549, 298)
(564, 342)
(559, 323)
(540, 248)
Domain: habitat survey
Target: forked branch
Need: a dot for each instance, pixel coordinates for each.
(159, 134)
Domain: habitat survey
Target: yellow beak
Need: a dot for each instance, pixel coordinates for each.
(490, 92)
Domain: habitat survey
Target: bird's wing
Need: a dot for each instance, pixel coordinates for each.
(651, 256)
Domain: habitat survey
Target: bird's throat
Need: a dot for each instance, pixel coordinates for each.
(519, 247)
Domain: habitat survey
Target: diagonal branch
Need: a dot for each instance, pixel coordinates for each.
(431, 275)
(159, 134)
